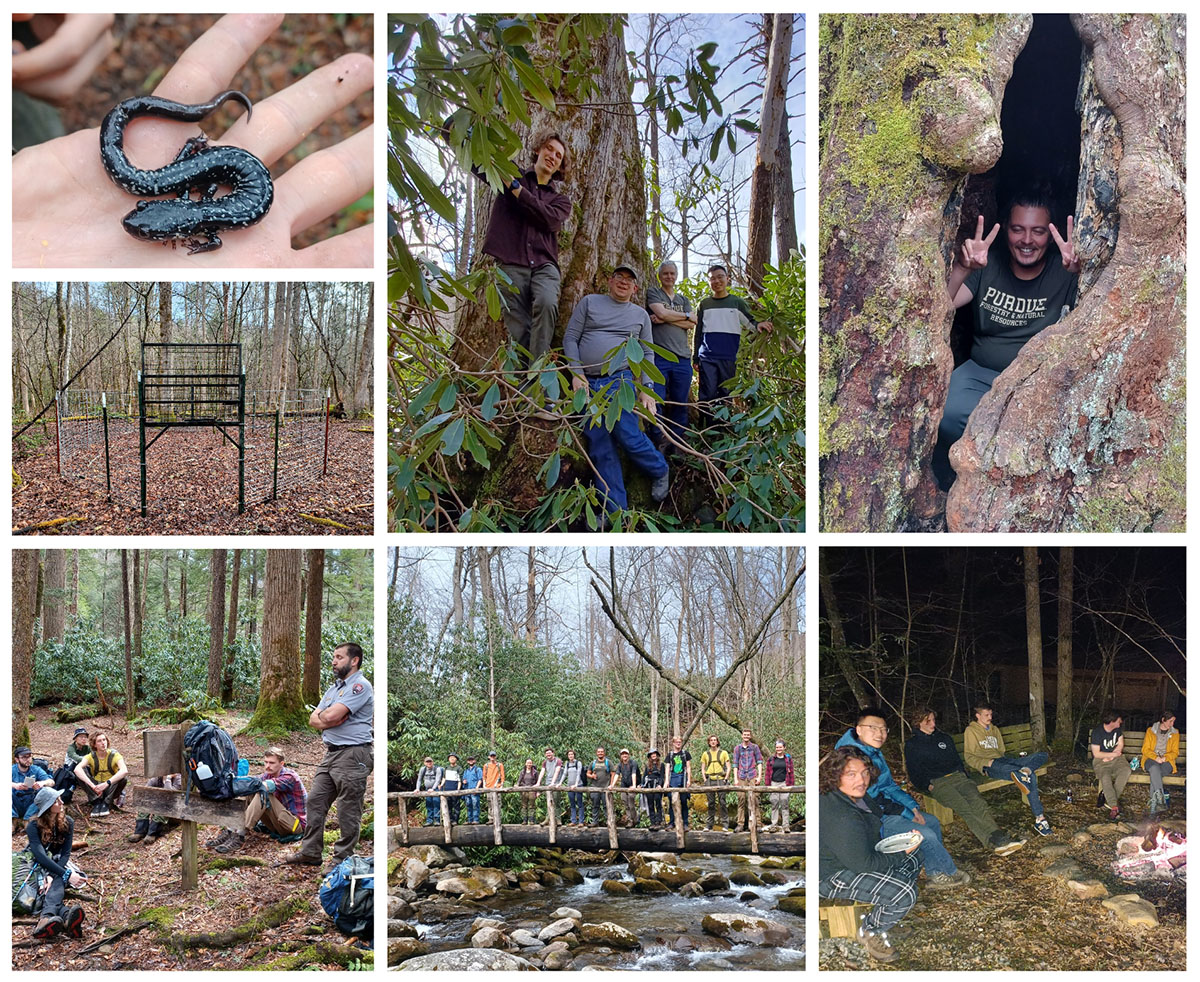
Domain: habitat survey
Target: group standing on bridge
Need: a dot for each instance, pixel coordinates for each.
(644, 788)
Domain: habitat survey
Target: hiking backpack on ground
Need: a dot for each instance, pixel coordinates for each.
(348, 895)
(211, 761)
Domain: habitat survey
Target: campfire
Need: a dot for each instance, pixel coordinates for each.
(1160, 854)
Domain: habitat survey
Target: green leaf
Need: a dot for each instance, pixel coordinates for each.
(549, 381)
(552, 470)
(446, 402)
(493, 301)
(513, 99)
(626, 397)
(423, 398)
(488, 409)
(579, 400)
(476, 449)
(534, 85)
(452, 437)
(517, 33)
(633, 351)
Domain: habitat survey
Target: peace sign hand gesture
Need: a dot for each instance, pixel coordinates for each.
(975, 251)
(1066, 246)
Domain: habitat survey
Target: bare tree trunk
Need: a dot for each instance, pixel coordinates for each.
(24, 614)
(280, 707)
(837, 638)
(483, 563)
(362, 385)
(54, 596)
(74, 586)
(1064, 724)
(531, 595)
(231, 630)
(1033, 636)
(139, 610)
(216, 622)
(166, 582)
(787, 238)
(252, 625)
(312, 626)
(125, 602)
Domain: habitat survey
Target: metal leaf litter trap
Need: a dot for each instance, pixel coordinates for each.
(276, 441)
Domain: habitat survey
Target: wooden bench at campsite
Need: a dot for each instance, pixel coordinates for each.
(1017, 737)
(840, 918)
(1133, 748)
(163, 755)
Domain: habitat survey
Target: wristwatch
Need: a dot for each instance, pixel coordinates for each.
(516, 183)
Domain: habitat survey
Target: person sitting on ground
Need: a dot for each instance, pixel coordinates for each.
(1160, 750)
(64, 777)
(850, 868)
(595, 347)
(716, 766)
(655, 776)
(429, 778)
(671, 319)
(282, 816)
(628, 774)
(148, 828)
(51, 831)
(900, 810)
(1016, 295)
(935, 768)
(573, 778)
(102, 775)
(528, 778)
(983, 747)
(1107, 745)
(472, 778)
(452, 781)
(780, 773)
(27, 779)
(720, 321)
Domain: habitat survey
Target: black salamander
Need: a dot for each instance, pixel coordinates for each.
(197, 167)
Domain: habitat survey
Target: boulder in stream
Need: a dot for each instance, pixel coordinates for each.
(556, 929)
(673, 876)
(617, 888)
(400, 929)
(646, 886)
(468, 960)
(608, 933)
(744, 929)
(489, 937)
(436, 857)
(746, 878)
(402, 949)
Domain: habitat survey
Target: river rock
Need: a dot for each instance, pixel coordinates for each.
(403, 893)
(673, 876)
(1081, 839)
(792, 905)
(645, 886)
(1053, 852)
(556, 945)
(794, 862)
(468, 960)
(746, 878)
(771, 862)
(1132, 910)
(567, 912)
(746, 930)
(713, 882)
(555, 929)
(525, 939)
(557, 961)
(1087, 889)
(618, 888)
(551, 879)
(774, 877)
(691, 890)
(398, 908)
(415, 873)
(571, 875)
(435, 857)
(1063, 869)
(606, 932)
(401, 949)
(400, 929)
(489, 937)
(531, 887)
(467, 886)
(437, 910)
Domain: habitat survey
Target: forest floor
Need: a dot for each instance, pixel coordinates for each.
(150, 43)
(135, 881)
(192, 485)
(1012, 917)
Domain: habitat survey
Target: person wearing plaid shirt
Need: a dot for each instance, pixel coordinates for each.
(747, 771)
(282, 816)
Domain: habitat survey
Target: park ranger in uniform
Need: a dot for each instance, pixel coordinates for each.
(344, 717)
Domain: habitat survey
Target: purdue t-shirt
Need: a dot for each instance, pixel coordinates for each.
(1009, 311)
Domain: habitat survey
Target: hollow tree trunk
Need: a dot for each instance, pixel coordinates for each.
(909, 106)
(1084, 431)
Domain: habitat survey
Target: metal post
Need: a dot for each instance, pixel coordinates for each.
(242, 443)
(275, 479)
(325, 464)
(57, 452)
(142, 436)
(107, 470)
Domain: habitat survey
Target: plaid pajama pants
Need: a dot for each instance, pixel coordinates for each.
(892, 894)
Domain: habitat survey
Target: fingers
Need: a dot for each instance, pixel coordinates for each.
(1058, 239)
(326, 181)
(209, 65)
(354, 248)
(73, 39)
(979, 228)
(280, 122)
(995, 231)
(1070, 228)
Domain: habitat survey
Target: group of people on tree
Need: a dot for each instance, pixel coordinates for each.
(645, 787)
(522, 237)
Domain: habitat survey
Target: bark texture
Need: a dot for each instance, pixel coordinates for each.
(24, 615)
(216, 622)
(279, 704)
(1084, 431)
(910, 106)
(312, 626)
(54, 605)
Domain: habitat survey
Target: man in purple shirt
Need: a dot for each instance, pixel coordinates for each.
(522, 236)
(747, 771)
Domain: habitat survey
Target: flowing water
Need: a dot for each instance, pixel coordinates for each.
(667, 925)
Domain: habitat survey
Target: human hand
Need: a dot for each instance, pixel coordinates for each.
(916, 845)
(76, 879)
(1066, 246)
(648, 403)
(67, 212)
(72, 45)
(975, 251)
(578, 382)
(918, 818)
(766, 327)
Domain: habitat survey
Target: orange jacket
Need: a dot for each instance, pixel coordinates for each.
(493, 775)
(1151, 741)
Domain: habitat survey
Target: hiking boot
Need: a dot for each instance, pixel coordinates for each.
(155, 830)
(300, 859)
(232, 843)
(1003, 844)
(218, 840)
(877, 945)
(73, 922)
(947, 881)
(139, 830)
(48, 927)
(1022, 780)
(660, 486)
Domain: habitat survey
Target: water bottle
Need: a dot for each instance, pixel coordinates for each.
(1133, 764)
(1070, 797)
(243, 767)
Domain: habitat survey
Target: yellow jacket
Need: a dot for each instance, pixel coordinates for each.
(1151, 741)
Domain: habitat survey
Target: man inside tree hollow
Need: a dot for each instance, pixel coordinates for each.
(1014, 296)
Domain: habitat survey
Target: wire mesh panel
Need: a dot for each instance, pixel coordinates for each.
(88, 451)
(191, 384)
(296, 459)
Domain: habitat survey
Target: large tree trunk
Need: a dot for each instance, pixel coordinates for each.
(280, 707)
(1064, 723)
(24, 614)
(837, 639)
(896, 146)
(1053, 448)
(216, 622)
(231, 630)
(362, 384)
(139, 611)
(127, 612)
(54, 596)
(1033, 641)
(608, 226)
(312, 626)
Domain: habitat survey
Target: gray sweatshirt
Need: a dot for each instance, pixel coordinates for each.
(599, 324)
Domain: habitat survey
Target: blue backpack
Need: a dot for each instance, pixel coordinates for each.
(211, 760)
(348, 895)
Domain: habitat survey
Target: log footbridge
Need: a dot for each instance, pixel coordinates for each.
(609, 836)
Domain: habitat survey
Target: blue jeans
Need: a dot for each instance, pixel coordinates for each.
(433, 811)
(676, 781)
(674, 390)
(932, 853)
(626, 435)
(1002, 767)
(969, 383)
(714, 379)
(577, 808)
(453, 804)
(472, 801)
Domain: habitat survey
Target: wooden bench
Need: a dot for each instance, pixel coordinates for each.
(1017, 737)
(841, 918)
(1133, 748)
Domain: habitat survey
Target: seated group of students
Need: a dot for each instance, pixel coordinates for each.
(862, 805)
